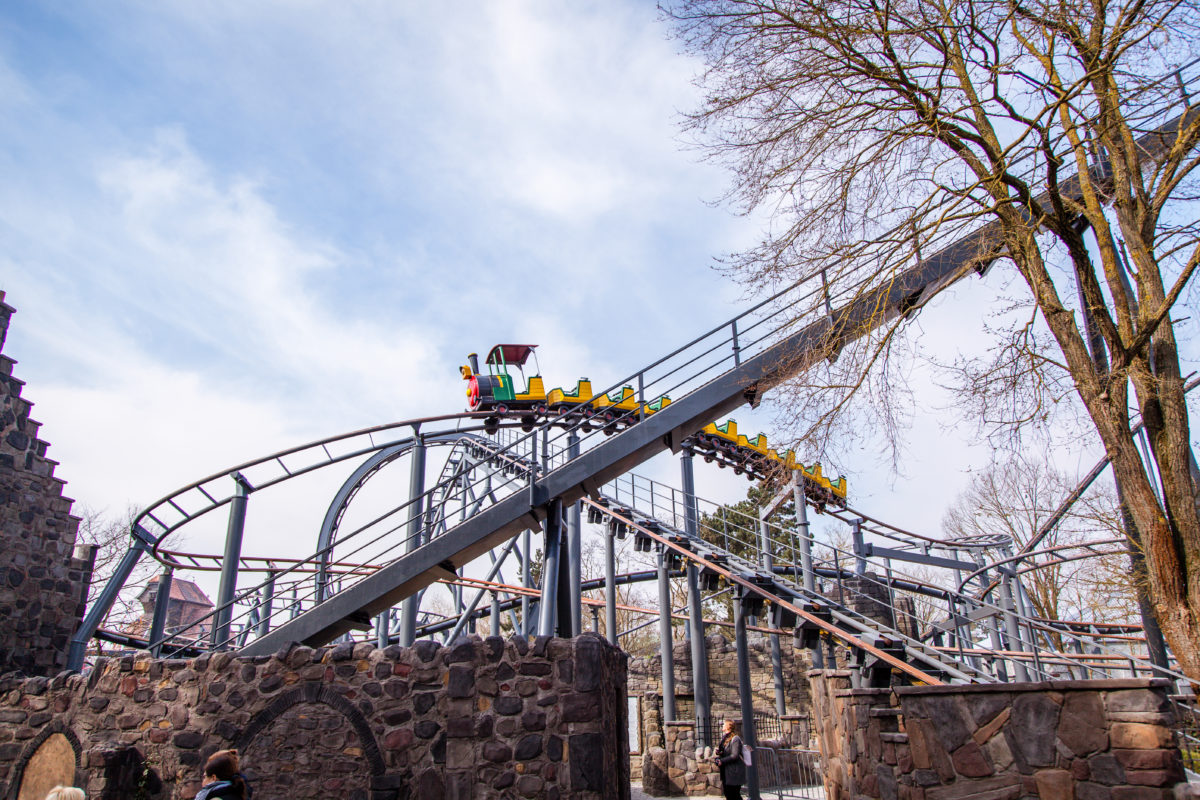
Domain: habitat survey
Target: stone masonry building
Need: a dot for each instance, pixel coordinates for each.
(44, 577)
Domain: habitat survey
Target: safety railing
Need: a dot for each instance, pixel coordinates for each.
(789, 774)
(984, 640)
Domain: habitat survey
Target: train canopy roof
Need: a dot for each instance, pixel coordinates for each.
(514, 354)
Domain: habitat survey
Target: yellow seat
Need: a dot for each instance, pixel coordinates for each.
(620, 400)
(758, 444)
(657, 405)
(727, 430)
(536, 390)
(813, 473)
(582, 394)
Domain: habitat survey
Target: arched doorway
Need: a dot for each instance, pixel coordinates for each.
(50, 759)
(310, 744)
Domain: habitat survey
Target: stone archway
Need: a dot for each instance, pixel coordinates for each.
(50, 759)
(310, 744)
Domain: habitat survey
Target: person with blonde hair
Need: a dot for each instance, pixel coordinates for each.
(66, 793)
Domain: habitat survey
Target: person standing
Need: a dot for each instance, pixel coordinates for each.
(222, 778)
(729, 760)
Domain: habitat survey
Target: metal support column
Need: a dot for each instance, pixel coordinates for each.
(229, 562)
(610, 586)
(700, 688)
(666, 648)
(1012, 629)
(745, 695)
(526, 581)
(416, 495)
(383, 628)
(563, 624)
(162, 602)
(494, 617)
(768, 563)
(266, 605)
(550, 557)
(806, 561)
(101, 606)
(575, 547)
(860, 562)
(993, 627)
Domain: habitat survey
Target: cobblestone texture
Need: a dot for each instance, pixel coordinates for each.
(396, 724)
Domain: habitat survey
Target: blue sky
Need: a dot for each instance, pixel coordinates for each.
(232, 227)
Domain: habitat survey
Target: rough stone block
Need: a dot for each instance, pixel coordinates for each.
(1138, 736)
(1032, 730)
(970, 761)
(1082, 727)
(1055, 784)
(1136, 700)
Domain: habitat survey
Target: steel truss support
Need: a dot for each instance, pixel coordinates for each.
(416, 491)
(142, 542)
(610, 586)
(162, 602)
(266, 605)
(768, 562)
(745, 695)
(700, 687)
(550, 568)
(227, 590)
(575, 549)
(666, 647)
(806, 562)
(466, 614)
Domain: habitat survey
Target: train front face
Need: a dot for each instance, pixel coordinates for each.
(486, 392)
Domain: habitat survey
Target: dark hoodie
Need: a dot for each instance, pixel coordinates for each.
(223, 790)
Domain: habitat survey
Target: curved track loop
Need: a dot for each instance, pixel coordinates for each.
(170, 512)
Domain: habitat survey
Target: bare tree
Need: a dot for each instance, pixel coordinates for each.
(1072, 573)
(876, 132)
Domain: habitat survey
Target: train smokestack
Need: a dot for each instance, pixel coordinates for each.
(474, 360)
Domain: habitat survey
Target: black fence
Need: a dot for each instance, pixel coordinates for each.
(767, 727)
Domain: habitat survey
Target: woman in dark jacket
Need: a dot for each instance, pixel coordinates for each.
(729, 759)
(222, 780)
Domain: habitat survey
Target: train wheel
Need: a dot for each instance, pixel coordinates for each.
(528, 423)
(491, 426)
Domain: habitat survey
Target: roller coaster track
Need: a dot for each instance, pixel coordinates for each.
(875, 642)
(734, 363)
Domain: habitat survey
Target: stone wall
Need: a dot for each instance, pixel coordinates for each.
(1093, 740)
(485, 718)
(43, 576)
(681, 768)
